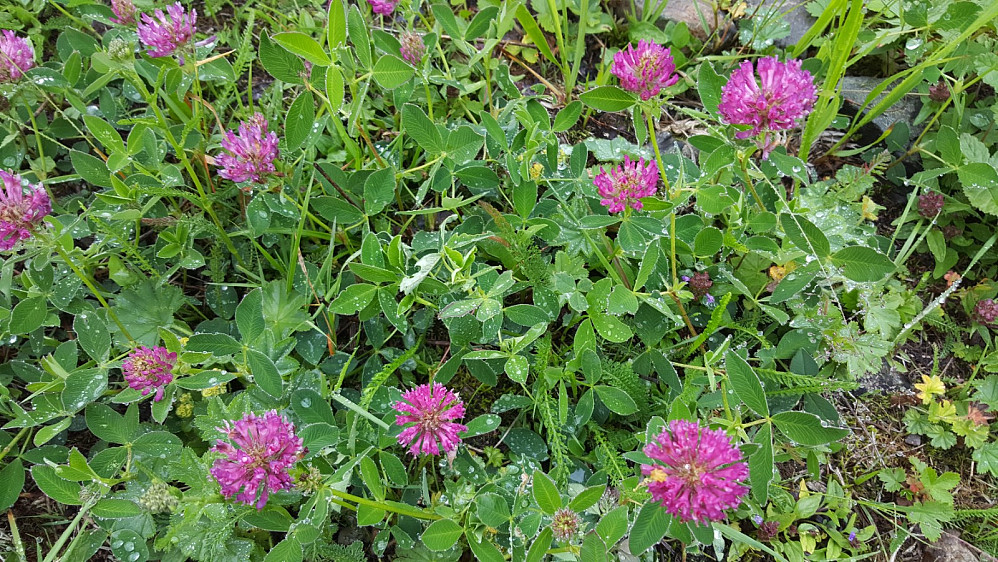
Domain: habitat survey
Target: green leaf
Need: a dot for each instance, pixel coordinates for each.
(616, 400)
(546, 493)
(533, 31)
(372, 478)
(593, 549)
(611, 327)
(28, 315)
(92, 334)
(359, 35)
(288, 550)
(761, 464)
(540, 545)
(567, 117)
(980, 185)
(709, 86)
(11, 483)
(524, 198)
(648, 528)
(608, 98)
(482, 425)
(334, 88)
(113, 508)
(217, 344)
(92, 169)
(441, 535)
(109, 425)
(986, 457)
(484, 550)
(708, 242)
(82, 388)
(264, 373)
(806, 429)
(417, 125)
(300, 120)
(587, 498)
(746, 383)
(354, 298)
(480, 23)
(493, 509)
(517, 369)
(109, 138)
(271, 518)
(304, 46)
(336, 24)
(863, 264)
(613, 526)
(379, 190)
(805, 235)
(59, 489)
(391, 72)
(48, 432)
(281, 64)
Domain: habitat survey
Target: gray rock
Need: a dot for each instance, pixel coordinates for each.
(685, 11)
(791, 11)
(951, 548)
(888, 380)
(855, 90)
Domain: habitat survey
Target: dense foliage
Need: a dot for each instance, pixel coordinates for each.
(510, 280)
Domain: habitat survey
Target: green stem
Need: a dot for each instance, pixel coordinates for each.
(743, 165)
(392, 507)
(54, 551)
(13, 442)
(352, 406)
(90, 285)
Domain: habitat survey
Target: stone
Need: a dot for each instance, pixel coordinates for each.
(686, 11)
(855, 89)
(951, 548)
(792, 12)
(888, 380)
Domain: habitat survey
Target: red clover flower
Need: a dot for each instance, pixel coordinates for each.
(930, 204)
(428, 413)
(165, 33)
(20, 212)
(149, 369)
(413, 48)
(985, 312)
(17, 56)
(383, 7)
(124, 11)
(625, 185)
(644, 70)
(257, 460)
(251, 153)
(698, 473)
(565, 524)
(783, 94)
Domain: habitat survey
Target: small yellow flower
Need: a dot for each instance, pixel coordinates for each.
(536, 169)
(214, 391)
(929, 387)
(185, 407)
(183, 341)
(658, 475)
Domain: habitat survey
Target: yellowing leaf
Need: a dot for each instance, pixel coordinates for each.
(929, 387)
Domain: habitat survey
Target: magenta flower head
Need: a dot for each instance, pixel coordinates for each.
(165, 33)
(428, 413)
(697, 474)
(413, 48)
(17, 56)
(383, 7)
(124, 11)
(644, 70)
(22, 208)
(624, 185)
(251, 153)
(783, 94)
(149, 369)
(257, 460)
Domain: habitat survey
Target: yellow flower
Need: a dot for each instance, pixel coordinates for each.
(214, 391)
(929, 387)
(536, 169)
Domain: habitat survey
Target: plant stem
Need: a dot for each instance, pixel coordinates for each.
(393, 507)
(54, 551)
(90, 285)
(13, 442)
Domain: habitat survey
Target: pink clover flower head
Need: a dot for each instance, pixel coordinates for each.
(428, 414)
(697, 474)
(413, 48)
(17, 56)
(626, 184)
(646, 69)
(783, 94)
(383, 7)
(22, 208)
(149, 369)
(124, 11)
(165, 33)
(258, 454)
(250, 153)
